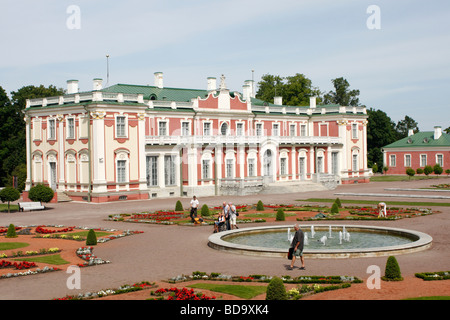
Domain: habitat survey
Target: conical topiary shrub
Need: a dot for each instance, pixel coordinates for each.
(335, 208)
(205, 211)
(280, 215)
(179, 206)
(91, 239)
(392, 271)
(11, 233)
(276, 290)
(259, 206)
(338, 202)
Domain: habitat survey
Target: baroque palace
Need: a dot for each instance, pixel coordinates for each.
(142, 142)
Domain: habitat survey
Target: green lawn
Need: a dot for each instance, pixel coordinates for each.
(408, 203)
(85, 233)
(12, 245)
(386, 178)
(241, 291)
(51, 259)
(12, 208)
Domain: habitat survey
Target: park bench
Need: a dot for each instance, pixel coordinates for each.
(28, 206)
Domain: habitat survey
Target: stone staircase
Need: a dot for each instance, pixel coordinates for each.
(63, 197)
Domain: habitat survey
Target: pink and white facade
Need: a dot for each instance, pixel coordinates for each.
(141, 142)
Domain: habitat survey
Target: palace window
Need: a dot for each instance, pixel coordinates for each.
(121, 171)
(51, 129)
(169, 170)
(120, 126)
(70, 128)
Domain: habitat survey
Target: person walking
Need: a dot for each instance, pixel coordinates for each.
(226, 213)
(233, 215)
(297, 245)
(194, 206)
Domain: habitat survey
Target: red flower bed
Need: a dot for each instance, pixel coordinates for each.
(158, 215)
(183, 294)
(41, 229)
(18, 265)
(3, 229)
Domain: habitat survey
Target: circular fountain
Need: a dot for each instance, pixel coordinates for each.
(322, 241)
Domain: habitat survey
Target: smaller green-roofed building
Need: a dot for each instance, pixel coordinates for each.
(418, 150)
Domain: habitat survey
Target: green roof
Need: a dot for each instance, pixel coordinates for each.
(156, 93)
(421, 140)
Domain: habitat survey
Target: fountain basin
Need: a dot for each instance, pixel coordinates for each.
(418, 241)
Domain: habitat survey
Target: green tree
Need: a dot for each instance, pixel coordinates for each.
(9, 194)
(276, 290)
(392, 270)
(259, 206)
(41, 193)
(380, 132)
(12, 126)
(205, 212)
(11, 233)
(280, 215)
(179, 206)
(410, 172)
(342, 95)
(295, 90)
(437, 169)
(91, 239)
(403, 126)
(427, 170)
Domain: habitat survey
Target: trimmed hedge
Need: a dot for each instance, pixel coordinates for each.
(276, 290)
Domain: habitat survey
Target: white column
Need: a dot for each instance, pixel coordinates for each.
(142, 158)
(28, 136)
(161, 177)
(192, 166)
(99, 159)
(293, 163)
(241, 160)
(61, 155)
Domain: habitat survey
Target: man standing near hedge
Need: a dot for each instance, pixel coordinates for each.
(194, 206)
(297, 245)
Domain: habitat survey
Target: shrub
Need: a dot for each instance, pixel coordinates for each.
(9, 194)
(11, 233)
(447, 171)
(385, 169)
(179, 206)
(335, 208)
(419, 170)
(91, 239)
(280, 215)
(259, 206)
(276, 290)
(375, 168)
(41, 193)
(410, 172)
(338, 202)
(427, 170)
(437, 169)
(205, 211)
(392, 271)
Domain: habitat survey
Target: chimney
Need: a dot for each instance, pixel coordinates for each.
(159, 79)
(251, 90)
(437, 132)
(312, 102)
(410, 132)
(72, 86)
(97, 84)
(278, 101)
(212, 84)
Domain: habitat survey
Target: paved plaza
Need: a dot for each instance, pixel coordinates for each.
(164, 251)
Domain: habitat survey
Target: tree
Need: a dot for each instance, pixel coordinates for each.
(205, 211)
(276, 290)
(403, 126)
(392, 270)
(410, 172)
(437, 169)
(9, 194)
(342, 95)
(179, 206)
(380, 132)
(91, 239)
(427, 170)
(259, 206)
(280, 215)
(12, 126)
(447, 130)
(295, 90)
(11, 233)
(41, 193)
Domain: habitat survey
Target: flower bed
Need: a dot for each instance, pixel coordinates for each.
(441, 275)
(85, 253)
(183, 294)
(17, 265)
(41, 229)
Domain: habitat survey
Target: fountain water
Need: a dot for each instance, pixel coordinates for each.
(340, 237)
(329, 232)
(312, 232)
(323, 240)
(306, 242)
(289, 235)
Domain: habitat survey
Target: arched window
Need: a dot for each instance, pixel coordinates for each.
(224, 129)
(267, 162)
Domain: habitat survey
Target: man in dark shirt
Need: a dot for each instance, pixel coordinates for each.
(297, 244)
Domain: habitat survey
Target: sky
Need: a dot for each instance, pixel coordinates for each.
(397, 53)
